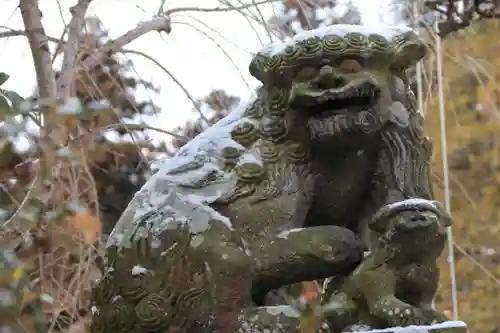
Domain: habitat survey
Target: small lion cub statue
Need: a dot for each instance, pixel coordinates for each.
(396, 282)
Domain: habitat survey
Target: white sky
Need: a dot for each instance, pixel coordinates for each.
(195, 60)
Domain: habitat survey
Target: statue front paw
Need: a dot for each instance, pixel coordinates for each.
(397, 313)
(433, 316)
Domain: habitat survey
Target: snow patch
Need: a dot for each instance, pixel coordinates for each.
(196, 241)
(138, 270)
(412, 202)
(47, 299)
(282, 309)
(184, 186)
(115, 298)
(387, 31)
(249, 158)
(71, 106)
(423, 328)
(285, 233)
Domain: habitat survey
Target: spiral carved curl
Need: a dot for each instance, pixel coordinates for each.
(265, 157)
(269, 124)
(276, 62)
(130, 295)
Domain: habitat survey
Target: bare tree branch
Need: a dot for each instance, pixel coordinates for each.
(161, 7)
(72, 45)
(456, 15)
(15, 33)
(218, 9)
(157, 24)
(172, 76)
(129, 128)
(39, 45)
(161, 23)
(46, 83)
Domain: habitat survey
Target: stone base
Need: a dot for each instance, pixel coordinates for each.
(446, 327)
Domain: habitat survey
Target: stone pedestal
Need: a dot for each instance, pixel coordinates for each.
(446, 327)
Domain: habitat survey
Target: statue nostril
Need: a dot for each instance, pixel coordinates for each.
(326, 70)
(328, 79)
(351, 65)
(331, 82)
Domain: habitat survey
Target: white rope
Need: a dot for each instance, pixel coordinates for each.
(444, 153)
(420, 86)
(419, 74)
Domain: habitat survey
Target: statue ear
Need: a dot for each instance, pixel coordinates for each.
(380, 221)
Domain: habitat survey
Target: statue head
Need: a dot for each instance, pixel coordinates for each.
(345, 82)
(412, 227)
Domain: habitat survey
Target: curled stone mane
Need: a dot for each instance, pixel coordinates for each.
(406, 154)
(268, 119)
(279, 63)
(264, 133)
(257, 152)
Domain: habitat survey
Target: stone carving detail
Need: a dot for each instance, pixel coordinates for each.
(280, 191)
(395, 284)
(186, 282)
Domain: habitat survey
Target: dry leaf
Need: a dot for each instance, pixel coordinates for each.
(310, 318)
(89, 226)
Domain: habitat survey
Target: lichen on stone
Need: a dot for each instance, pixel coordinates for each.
(275, 193)
(395, 284)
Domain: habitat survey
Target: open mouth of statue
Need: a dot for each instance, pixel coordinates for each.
(348, 99)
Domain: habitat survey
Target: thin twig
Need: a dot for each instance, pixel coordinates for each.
(261, 16)
(39, 46)
(161, 8)
(23, 203)
(164, 69)
(72, 45)
(157, 24)
(15, 33)
(219, 46)
(217, 9)
(129, 127)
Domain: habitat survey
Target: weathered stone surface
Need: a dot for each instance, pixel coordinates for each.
(272, 319)
(330, 138)
(445, 327)
(181, 281)
(395, 284)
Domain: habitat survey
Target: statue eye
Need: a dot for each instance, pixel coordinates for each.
(306, 74)
(350, 65)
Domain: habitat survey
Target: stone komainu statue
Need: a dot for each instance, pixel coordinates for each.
(396, 282)
(277, 192)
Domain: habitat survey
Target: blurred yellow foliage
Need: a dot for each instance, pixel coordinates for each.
(472, 96)
(58, 260)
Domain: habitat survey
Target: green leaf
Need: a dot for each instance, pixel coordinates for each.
(4, 105)
(15, 99)
(3, 77)
(6, 150)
